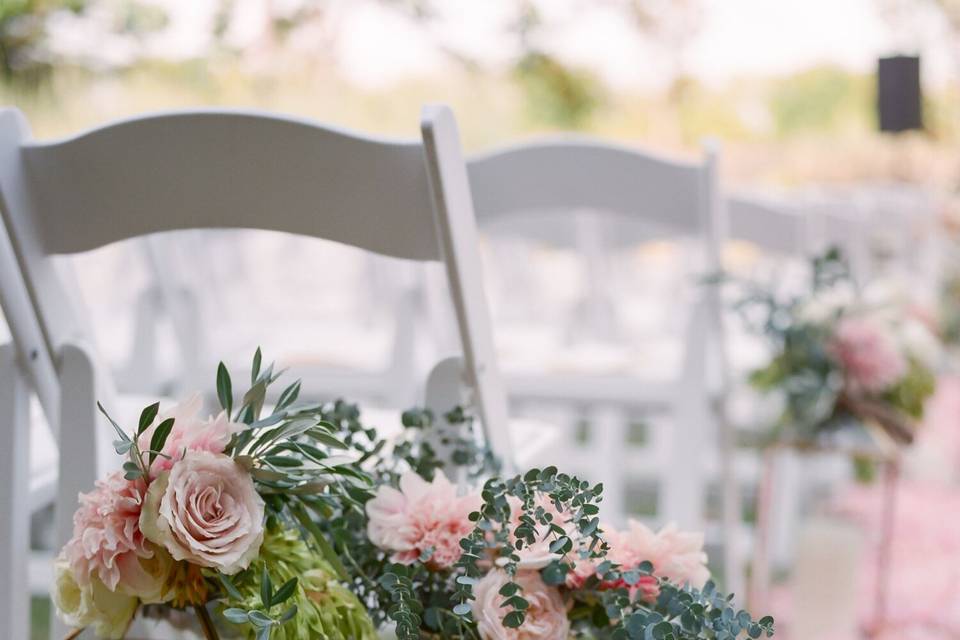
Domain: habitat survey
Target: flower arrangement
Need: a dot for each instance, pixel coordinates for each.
(252, 524)
(842, 356)
(217, 515)
(512, 558)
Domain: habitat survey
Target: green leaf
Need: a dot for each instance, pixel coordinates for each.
(123, 436)
(288, 397)
(255, 370)
(231, 590)
(514, 619)
(236, 616)
(462, 609)
(266, 588)
(224, 388)
(260, 619)
(325, 548)
(284, 592)
(147, 416)
(160, 438)
(288, 614)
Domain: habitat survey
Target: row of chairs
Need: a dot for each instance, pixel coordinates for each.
(417, 200)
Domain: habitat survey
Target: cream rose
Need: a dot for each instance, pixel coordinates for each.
(109, 613)
(546, 617)
(205, 510)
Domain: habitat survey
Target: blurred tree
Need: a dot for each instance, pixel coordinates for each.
(23, 53)
(672, 24)
(27, 55)
(555, 94)
(822, 99)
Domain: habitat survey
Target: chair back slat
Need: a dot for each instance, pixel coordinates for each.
(566, 174)
(208, 169)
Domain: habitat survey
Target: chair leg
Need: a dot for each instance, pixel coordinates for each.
(14, 498)
(80, 438)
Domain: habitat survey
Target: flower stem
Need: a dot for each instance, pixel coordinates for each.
(209, 631)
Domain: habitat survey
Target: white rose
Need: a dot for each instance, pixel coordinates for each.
(109, 613)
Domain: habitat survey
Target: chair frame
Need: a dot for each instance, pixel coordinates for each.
(78, 194)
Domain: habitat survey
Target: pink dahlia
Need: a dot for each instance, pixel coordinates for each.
(107, 540)
(421, 519)
(675, 555)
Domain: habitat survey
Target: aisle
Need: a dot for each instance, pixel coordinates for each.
(925, 562)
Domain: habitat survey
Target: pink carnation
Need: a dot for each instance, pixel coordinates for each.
(421, 518)
(190, 433)
(868, 354)
(106, 533)
(675, 555)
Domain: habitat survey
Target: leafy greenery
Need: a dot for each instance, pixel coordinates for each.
(426, 602)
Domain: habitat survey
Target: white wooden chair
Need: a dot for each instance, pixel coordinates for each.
(571, 175)
(204, 169)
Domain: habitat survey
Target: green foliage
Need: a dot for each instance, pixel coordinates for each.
(556, 94)
(424, 602)
(802, 369)
(290, 593)
(822, 99)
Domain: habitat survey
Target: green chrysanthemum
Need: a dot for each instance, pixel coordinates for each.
(326, 610)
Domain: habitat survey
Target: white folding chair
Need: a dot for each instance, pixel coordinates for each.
(205, 169)
(581, 175)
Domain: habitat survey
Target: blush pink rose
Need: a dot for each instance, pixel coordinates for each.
(421, 518)
(108, 544)
(189, 433)
(868, 354)
(546, 617)
(205, 510)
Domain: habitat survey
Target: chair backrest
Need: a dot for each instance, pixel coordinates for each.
(768, 224)
(579, 173)
(582, 174)
(232, 169)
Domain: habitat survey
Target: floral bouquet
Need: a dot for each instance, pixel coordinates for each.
(216, 516)
(843, 356)
(518, 557)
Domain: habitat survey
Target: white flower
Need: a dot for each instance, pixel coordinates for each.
(827, 304)
(107, 612)
(920, 343)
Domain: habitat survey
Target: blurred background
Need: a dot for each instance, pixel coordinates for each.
(790, 91)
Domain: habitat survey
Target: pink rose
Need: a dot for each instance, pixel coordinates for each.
(205, 510)
(190, 433)
(546, 617)
(421, 518)
(868, 354)
(107, 541)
